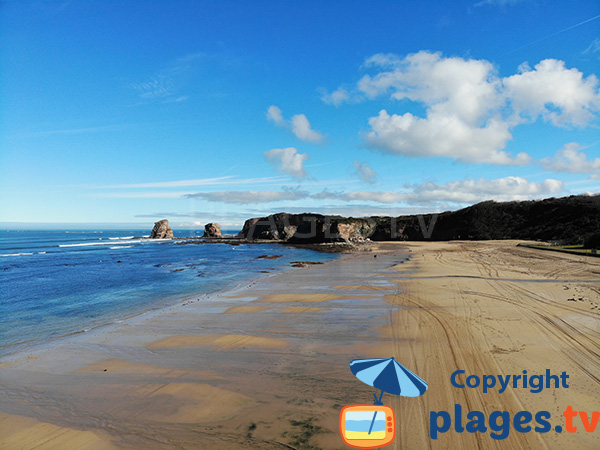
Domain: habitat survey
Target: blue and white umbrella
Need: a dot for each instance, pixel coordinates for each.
(389, 376)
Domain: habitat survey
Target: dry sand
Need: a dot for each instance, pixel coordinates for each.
(267, 366)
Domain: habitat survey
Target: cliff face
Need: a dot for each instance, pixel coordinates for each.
(569, 219)
(311, 228)
(161, 230)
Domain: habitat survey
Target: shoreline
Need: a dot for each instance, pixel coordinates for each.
(266, 326)
(168, 302)
(266, 365)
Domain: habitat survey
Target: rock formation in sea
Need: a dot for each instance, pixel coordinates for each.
(212, 230)
(161, 230)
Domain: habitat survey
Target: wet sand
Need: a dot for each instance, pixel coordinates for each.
(266, 366)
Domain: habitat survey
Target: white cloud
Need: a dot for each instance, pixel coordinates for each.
(288, 160)
(301, 128)
(462, 98)
(459, 192)
(382, 60)
(368, 196)
(557, 94)
(469, 110)
(352, 210)
(274, 115)
(571, 159)
(501, 189)
(165, 84)
(299, 125)
(337, 97)
(440, 135)
(594, 48)
(247, 197)
(595, 176)
(178, 183)
(226, 180)
(467, 89)
(499, 2)
(144, 194)
(365, 172)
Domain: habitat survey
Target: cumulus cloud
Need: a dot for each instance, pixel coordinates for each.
(462, 98)
(301, 128)
(364, 171)
(467, 89)
(247, 197)
(571, 159)
(299, 125)
(458, 192)
(551, 91)
(469, 109)
(288, 160)
(336, 97)
(446, 136)
(274, 115)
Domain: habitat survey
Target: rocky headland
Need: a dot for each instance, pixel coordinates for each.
(568, 220)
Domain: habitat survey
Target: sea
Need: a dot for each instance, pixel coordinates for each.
(55, 283)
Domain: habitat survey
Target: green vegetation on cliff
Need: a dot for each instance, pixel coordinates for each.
(568, 220)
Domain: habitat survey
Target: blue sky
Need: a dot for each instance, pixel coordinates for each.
(199, 111)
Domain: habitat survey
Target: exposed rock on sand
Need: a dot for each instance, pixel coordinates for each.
(161, 230)
(212, 230)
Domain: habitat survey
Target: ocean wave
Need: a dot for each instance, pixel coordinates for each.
(17, 254)
(86, 244)
(121, 246)
(117, 238)
(130, 241)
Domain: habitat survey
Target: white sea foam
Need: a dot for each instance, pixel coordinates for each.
(121, 246)
(17, 254)
(129, 241)
(116, 238)
(86, 244)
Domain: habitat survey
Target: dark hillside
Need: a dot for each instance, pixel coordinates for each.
(569, 220)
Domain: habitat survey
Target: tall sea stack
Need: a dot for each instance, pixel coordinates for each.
(161, 230)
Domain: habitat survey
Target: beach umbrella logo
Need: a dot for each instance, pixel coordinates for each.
(373, 426)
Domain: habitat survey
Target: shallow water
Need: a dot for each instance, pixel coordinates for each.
(56, 283)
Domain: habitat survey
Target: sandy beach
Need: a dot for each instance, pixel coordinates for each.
(266, 365)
